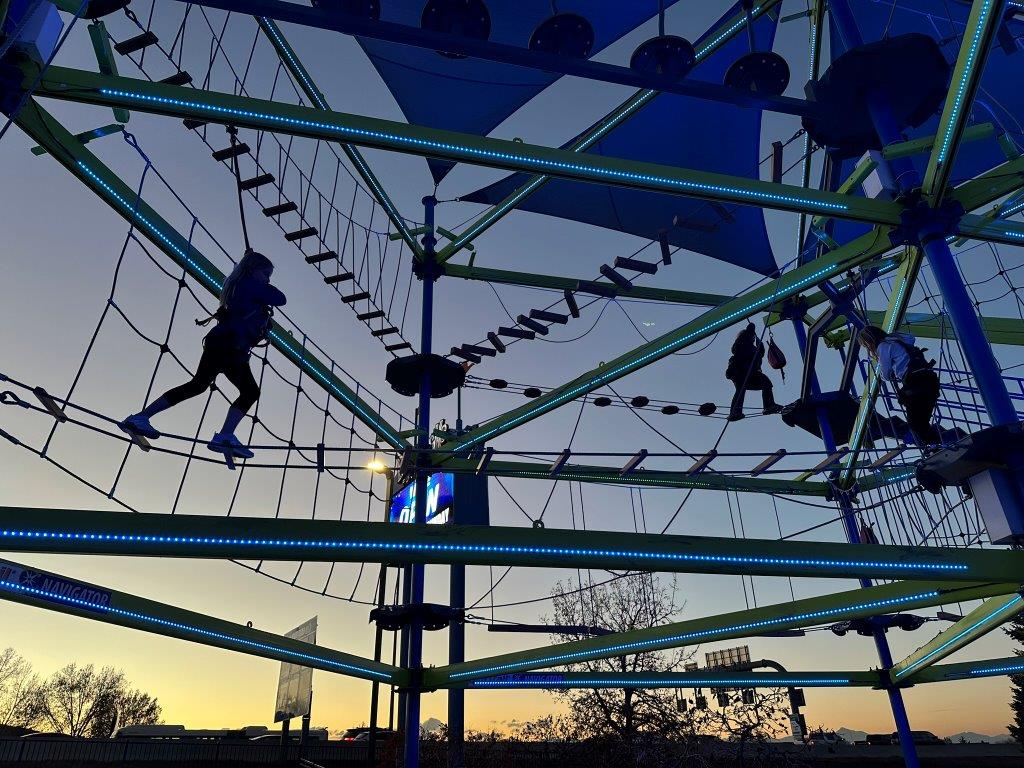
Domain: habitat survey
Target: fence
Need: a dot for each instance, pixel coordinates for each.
(127, 751)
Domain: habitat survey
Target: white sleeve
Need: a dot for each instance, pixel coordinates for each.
(885, 360)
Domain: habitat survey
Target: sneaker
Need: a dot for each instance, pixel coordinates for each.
(229, 444)
(137, 424)
(772, 410)
(736, 416)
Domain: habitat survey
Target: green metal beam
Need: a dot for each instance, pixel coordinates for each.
(305, 81)
(854, 604)
(910, 148)
(998, 330)
(647, 681)
(994, 231)
(54, 592)
(707, 480)
(260, 114)
(758, 300)
(982, 25)
(711, 42)
(970, 670)
(899, 300)
(982, 620)
(913, 147)
(529, 279)
(85, 166)
(87, 532)
(990, 186)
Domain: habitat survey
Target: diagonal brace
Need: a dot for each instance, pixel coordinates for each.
(853, 604)
(54, 592)
(982, 620)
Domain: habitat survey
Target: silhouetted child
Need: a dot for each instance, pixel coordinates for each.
(917, 384)
(744, 371)
(243, 321)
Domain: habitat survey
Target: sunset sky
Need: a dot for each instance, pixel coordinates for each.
(61, 245)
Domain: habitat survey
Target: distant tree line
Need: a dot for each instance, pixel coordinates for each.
(76, 700)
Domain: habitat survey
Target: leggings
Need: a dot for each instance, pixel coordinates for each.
(918, 396)
(219, 357)
(755, 381)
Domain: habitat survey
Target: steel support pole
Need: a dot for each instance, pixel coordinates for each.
(899, 708)
(428, 275)
(378, 642)
(456, 655)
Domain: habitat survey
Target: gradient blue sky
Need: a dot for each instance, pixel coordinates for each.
(60, 247)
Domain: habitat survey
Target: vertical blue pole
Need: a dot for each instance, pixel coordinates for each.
(456, 654)
(429, 275)
(898, 706)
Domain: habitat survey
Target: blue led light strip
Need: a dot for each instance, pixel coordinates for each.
(709, 46)
(314, 92)
(632, 682)
(1013, 604)
(671, 346)
(1011, 669)
(706, 634)
(961, 90)
(297, 655)
(695, 187)
(216, 285)
(485, 548)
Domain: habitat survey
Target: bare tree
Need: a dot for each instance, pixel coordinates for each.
(635, 602)
(126, 707)
(81, 701)
(18, 691)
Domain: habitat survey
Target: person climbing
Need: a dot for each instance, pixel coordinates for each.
(917, 385)
(744, 371)
(243, 321)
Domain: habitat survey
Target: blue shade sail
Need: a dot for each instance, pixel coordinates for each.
(684, 132)
(471, 95)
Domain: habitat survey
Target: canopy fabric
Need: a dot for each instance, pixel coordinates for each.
(466, 94)
(680, 131)
(1000, 99)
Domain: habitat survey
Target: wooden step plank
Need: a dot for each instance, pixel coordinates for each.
(229, 152)
(137, 43)
(257, 181)
(341, 277)
(300, 234)
(636, 265)
(277, 210)
(316, 258)
(354, 297)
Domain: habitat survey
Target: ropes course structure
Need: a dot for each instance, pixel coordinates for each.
(901, 162)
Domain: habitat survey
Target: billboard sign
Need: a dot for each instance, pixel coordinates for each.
(295, 686)
(440, 499)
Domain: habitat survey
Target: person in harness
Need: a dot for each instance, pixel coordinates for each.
(243, 322)
(917, 385)
(744, 371)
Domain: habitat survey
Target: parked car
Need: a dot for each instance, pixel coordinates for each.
(363, 734)
(924, 738)
(61, 736)
(826, 737)
(878, 739)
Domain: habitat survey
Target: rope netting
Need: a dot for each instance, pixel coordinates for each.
(336, 222)
(293, 418)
